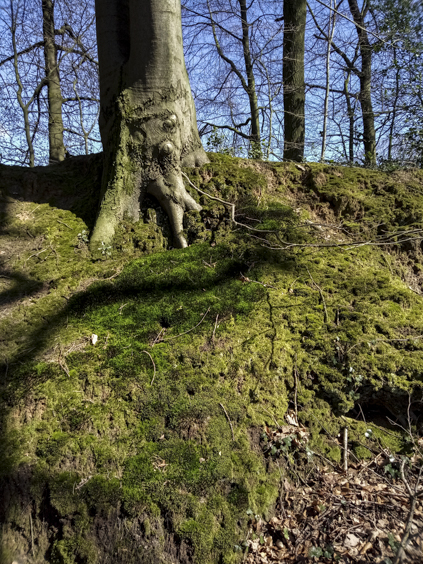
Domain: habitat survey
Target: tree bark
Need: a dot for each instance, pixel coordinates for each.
(252, 95)
(293, 78)
(331, 31)
(55, 101)
(147, 117)
(351, 119)
(365, 76)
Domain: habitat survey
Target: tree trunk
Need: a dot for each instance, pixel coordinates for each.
(55, 101)
(365, 76)
(331, 31)
(147, 117)
(395, 104)
(351, 119)
(293, 78)
(252, 95)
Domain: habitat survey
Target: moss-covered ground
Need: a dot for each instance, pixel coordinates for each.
(146, 446)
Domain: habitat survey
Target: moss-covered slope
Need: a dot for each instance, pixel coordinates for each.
(145, 446)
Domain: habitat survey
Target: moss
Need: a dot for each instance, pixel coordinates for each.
(156, 427)
(69, 551)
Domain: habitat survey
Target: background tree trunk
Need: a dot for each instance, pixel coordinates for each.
(147, 117)
(256, 150)
(55, 101)
(293, 78)
(331, 31)
(365, 76)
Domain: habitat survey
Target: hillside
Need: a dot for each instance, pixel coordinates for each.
(157, 404)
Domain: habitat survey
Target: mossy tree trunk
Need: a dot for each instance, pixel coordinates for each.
(55, 100)
(293, 78)
(147, 118)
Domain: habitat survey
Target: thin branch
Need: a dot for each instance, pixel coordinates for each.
(63, 223)
(230, 422)
(23, 52)
(321, 295)
(240, 133)
(413, 501)
(222, 55)
(345, 449)
(380, 40)
(154, 366)
(232, 206)
(215, 327)
(189, 330)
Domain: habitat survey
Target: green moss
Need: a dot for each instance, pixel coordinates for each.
(69, 551)
(156, 428)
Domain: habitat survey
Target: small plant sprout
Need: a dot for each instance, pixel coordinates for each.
(83, 236)
(105, 250)
(315, 552)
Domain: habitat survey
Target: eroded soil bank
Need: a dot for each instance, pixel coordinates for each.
(159, 443)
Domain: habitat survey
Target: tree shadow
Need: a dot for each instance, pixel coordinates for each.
(17, 383)
(20, 286)
(73, 185)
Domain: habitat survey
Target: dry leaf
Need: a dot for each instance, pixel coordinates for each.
(291, 419)
(351, 541)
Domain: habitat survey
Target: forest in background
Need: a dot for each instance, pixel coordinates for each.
(354, 53)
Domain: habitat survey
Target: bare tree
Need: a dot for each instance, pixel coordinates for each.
(38, 61)
(242, 43)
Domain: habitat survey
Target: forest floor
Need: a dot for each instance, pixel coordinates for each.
(167, 406)
(335, 515)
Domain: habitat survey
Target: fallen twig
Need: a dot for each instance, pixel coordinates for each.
(122, 306)
(232, 206)
(373, 341)
(246, 279)
(382, 241)
(413, 501)
(215, 327)
(55, 254)
(154, 366)
(63, 223)
(321, 295)
(189, 330)
(345, 449)
(158, 338)
(348, 246)
(272, 416)
(296, 388)
(34, 255)
(230, 422)
(81, 483)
